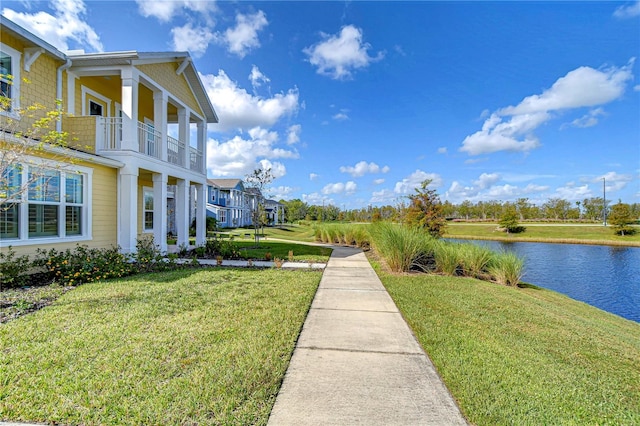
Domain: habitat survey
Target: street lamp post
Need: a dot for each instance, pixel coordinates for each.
(604, 200)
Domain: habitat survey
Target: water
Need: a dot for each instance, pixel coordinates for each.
(607, 277)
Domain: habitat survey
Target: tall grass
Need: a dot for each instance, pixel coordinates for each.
(506, 268)
(404, 248)
(343, 233)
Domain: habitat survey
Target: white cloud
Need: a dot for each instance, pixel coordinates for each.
(341, 116)
(195, 40)
(65, 26)
(378, 181)
(384, 196)
(636, 88)
(257, 78)
(237, 109)
(442, 150)
(484, 189)
(242, 38)
(571, 192)
(313, 176)
(238, 156)
(347, 188)
(487, 180)
(293, 134)
(590, 119)
(282, 193)
(316, 199)
(165, 11)
(628, 11)
(511, 128)
(413, 181)
(362, 168)
(338, 56)
(614, 181)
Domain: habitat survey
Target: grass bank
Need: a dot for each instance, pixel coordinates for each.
(181, 347)
(523, 355)
(546, 233)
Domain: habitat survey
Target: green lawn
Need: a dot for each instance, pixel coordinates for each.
(542, 232)
(280, 249)
(182, 347)
(515, 356)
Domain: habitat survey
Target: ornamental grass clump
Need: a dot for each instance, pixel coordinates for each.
(506, 268)
(475, 260)
(447, 257)
(404, 248)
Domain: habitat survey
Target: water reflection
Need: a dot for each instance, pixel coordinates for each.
(603, 276)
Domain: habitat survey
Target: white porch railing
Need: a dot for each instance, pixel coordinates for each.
(196, 159)
(175, 151)
(109, 138)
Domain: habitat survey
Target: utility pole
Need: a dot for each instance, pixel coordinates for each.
(604, 200)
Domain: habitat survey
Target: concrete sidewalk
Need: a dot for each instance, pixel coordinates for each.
(357, 362)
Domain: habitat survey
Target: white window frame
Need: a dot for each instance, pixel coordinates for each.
(85, 101)
(222, 216)
(23, 204)
(147, 190)
(15, 83)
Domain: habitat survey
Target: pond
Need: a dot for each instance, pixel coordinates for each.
(607, 277)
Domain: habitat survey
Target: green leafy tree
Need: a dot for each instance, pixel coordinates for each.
(426, 211)
(259, 181)
(509, 221)
(621, 219)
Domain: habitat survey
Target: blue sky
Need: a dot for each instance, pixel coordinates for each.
(356, 103)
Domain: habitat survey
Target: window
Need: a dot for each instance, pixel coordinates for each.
(53, 204)
(222, 216)
(148, 209)
(95, 108)
(9, 78)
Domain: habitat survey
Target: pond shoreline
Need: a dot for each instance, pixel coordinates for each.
(547, 240)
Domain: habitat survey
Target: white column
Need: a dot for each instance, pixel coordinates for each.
(128, 209)
(202, 145)
(130, 110)
(160, 211)
(201, 215)
(182, 211)
(160, 121)
(183, 132)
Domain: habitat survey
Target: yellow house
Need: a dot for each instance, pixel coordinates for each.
(137, 127)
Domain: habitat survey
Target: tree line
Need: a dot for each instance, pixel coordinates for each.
(555, 209)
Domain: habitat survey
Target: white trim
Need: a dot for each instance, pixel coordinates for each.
(87, 205)
(147, 189)
(86, 91)
(17, 78)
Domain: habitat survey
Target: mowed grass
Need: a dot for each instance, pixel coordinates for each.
(183, 347)
(543, 232)
(292, 232)
(280, 249)
(516, 356)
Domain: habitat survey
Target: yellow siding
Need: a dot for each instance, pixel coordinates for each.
(38, 86)
(165, 75)
(107, 86)
(82, 132)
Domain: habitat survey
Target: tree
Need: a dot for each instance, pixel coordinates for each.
(621, 219)
(26, 134)
(509, 221)
(259, 181)
(425, 210)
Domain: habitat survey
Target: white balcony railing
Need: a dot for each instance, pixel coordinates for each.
(109, 138)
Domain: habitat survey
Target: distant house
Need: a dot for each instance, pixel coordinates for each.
(138, 121)
(275, 212)
(229, 203)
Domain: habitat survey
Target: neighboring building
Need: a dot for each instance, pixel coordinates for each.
(135, 165)
(275, 212)
(229, 202)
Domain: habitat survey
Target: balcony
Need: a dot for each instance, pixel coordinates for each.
(96, 134)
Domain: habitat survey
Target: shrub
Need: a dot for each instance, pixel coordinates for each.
(148, 257)
(218, 247)
(84, 265)
(13, 269)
